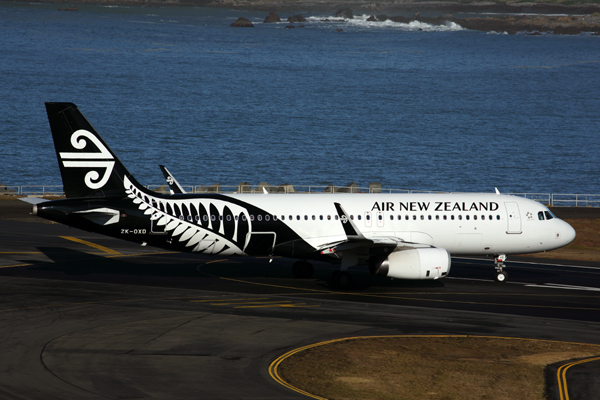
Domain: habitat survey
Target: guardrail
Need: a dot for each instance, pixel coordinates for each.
(550, 199)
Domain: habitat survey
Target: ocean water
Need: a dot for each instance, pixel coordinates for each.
(409, 105)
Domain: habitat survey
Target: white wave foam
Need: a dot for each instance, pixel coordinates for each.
(360, 21)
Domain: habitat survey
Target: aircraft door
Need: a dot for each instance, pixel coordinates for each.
(156, 229)
(514, 217)
(260, 244)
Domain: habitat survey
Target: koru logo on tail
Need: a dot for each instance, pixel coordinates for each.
(93, 160)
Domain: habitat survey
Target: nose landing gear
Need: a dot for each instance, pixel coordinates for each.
(499, 262)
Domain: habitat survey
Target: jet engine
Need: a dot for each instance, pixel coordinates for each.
(427, 263)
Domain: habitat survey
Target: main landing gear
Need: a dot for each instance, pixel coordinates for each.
(341, 280)
(500, 275)
(303, 270)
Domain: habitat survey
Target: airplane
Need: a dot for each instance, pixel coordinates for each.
(402, 236)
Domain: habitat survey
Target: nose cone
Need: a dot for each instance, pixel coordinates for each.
(567, 233)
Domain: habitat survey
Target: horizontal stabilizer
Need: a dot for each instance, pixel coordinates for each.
(33, 200)
(100, 216)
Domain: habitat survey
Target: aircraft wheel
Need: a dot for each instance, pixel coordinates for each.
(303, 270)
(501, 276)
(341, 280)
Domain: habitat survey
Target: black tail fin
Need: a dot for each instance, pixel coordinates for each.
(88, 166)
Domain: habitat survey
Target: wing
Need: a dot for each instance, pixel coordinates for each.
(361, 246)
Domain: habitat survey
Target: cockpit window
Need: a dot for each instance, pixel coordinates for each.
(549, 215)
(541, 215)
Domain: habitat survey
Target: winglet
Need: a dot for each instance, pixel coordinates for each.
(497, 191)
(350, 229)
(174, 186)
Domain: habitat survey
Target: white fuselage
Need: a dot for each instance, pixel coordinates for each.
(462, 223)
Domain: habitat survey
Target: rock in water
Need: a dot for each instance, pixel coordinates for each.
(242, 22)
(272, 17)
(296, 18)
(344, 13)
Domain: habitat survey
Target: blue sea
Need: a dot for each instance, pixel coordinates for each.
(412, 106)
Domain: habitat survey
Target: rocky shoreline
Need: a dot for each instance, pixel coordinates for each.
(394, 6)
(532, 18)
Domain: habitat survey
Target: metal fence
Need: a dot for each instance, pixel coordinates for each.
(550, 199)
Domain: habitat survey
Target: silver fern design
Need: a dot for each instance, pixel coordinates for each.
(210, 226)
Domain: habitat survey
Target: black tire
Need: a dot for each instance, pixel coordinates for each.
(501, 277)
(341, 280)
(303, 270)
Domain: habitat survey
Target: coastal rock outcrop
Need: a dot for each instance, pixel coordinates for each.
(296, 18)
(344, 13)
(272, 17)
(242, 22)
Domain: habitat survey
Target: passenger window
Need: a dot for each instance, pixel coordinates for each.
(467, 217)
(328, 217)
(298, 217)
(445, 217)
(359, 217)
(267, 217)
(337, 217)
(437, 217)
(181, 217)
(541, 215)
(368, 217)
(229, 218)
(352, 217)
(452, 217)
(197, 218)
(321, 217)
(380, 217)
(259, 217)
(475, 217)
(314, 218)
(422, 217)
(406, 218)
(549, 215)
(391, 217)
(220, 218)
(189, 218)
(460, 217)
(306, 217)
(498, 217)
(243, 218)
(274, 217)
(429, 217)
(414, 217)
(291, 218)
(251, 217)
(213, 218)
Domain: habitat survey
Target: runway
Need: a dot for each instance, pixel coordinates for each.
(86, 316)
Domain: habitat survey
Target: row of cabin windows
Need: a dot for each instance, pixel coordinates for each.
(268, 217)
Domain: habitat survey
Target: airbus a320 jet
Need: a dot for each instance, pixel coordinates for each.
(404, 236)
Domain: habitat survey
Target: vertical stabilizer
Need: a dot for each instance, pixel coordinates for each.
(88, 166)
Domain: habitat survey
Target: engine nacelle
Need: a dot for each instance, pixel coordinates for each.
(428, 263)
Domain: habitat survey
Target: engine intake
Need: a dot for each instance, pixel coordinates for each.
(429, 263)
